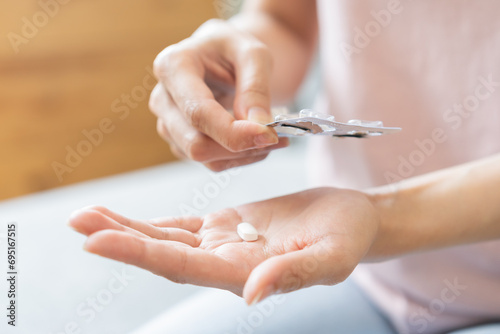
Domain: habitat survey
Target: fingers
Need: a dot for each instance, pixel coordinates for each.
(163, 132)
(195, 77)
(194, 144)
(317, 264)
(253, 77)
(221, 165)
(171, 260)
(190, 223)
(94, 219)
(187, 141)
(198, 106)
(232, 160)
(91, 221)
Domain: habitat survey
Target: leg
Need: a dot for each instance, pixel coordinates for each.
(322, 309)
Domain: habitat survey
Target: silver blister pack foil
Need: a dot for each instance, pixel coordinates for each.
(307, 123)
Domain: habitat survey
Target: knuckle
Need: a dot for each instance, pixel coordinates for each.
(255, 90)
(141, 254)
(156, 99)
(175, 151)
(238, 143)
(182, 264)
(161, 62)
(168, 60)
(234, 145)
(211, 24)
(164, 234)
(160, 128)
(258, 50)
(212, 30)
(163, 131)
(236, 139)
(194, 113)
(292, 279)
(196, 147)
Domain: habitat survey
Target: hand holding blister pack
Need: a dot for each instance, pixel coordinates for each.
(307, 123)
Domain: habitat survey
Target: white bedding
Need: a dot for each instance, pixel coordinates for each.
(56, 277)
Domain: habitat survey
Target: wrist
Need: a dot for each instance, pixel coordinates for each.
(406, 219)
(388, 241)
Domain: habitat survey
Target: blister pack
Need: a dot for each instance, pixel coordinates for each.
(307, 123)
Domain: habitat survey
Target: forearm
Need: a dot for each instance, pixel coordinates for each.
(455, 206)
(289, 29)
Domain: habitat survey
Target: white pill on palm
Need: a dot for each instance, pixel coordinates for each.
(247, 232)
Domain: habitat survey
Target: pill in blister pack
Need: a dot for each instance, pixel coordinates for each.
(308, 122)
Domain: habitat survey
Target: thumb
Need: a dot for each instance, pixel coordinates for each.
(317, 264)
(253, 76)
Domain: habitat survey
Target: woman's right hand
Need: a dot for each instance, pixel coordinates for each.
(218, 68)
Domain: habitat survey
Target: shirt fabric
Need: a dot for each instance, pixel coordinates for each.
(432, 68)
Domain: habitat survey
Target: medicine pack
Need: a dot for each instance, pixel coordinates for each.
(308, 122)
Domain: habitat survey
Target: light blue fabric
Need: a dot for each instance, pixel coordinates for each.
(341, 309)
(484, 329)
(319, 310)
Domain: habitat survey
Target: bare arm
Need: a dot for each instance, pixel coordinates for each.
(313, 237)
(458, 205)
(290, 30)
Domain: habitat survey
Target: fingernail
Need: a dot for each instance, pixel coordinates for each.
(266, 139)
(256, 299)
(259, 115)
(261, 295)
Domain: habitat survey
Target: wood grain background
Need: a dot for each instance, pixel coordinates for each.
(73, 70)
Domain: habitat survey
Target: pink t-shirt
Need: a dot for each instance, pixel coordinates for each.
(432, 68)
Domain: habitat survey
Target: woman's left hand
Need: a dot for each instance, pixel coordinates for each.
(313, 237)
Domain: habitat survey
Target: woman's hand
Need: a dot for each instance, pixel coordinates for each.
(312, 237)
(219, 68)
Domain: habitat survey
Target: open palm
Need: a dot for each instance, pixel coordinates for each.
(312, 237)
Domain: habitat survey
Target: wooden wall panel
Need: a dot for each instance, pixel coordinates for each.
(66, 78)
